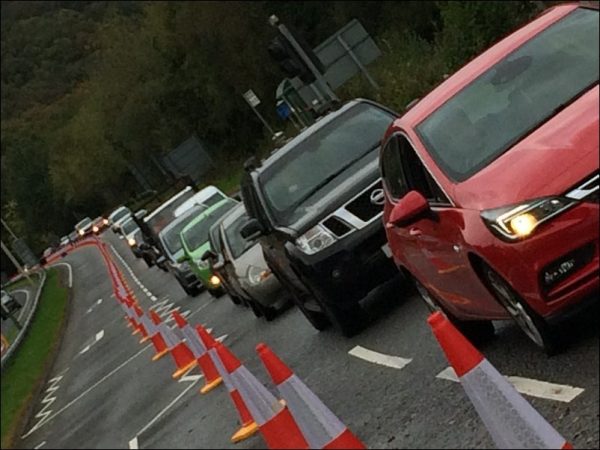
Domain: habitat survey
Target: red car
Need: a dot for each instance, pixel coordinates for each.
(491, 181)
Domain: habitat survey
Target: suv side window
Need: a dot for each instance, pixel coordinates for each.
(392, 169)
(418, 177)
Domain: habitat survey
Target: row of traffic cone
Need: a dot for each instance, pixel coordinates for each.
(300, 419)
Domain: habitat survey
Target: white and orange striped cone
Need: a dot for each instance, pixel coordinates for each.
(211, 375)
(511, 421)
(139, 313)
(274, 420)
(320, 427)
(157, 340)
(147, 324)
(248, 426)
(182, 355)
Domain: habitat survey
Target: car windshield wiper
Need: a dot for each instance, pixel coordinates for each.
(331, 177)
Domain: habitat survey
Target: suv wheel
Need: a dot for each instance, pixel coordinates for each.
(149, 261)
(530, 323)
(477, 331)
(191, 291)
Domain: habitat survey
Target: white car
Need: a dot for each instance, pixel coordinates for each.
(84, 227)
(127, 229)
(118, 216)
(9, 302)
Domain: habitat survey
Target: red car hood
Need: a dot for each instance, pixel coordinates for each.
(554, 158)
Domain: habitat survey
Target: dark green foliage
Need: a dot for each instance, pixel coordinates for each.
(91, 89)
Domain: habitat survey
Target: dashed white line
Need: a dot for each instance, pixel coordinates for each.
(395, 362)
(529, 386)
(133, 444)
(40, 445)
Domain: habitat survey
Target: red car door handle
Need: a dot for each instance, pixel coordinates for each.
(415, 232)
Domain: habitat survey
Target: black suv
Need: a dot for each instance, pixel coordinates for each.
(317, 204)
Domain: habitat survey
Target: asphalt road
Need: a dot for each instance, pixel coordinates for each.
(106, 393)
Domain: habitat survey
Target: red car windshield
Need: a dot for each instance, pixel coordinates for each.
(515, 96)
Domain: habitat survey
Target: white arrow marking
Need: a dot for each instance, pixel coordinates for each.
(395, 362)
(529, 386)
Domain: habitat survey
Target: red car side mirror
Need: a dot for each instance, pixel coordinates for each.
(408, 209)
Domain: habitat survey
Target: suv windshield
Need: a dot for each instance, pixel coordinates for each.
(312, 163)
(170, 237)
(84, 223)
(122, 213)
(515, 96)
(197, 235)
(160, 219)
(128, 226)
(237, 244)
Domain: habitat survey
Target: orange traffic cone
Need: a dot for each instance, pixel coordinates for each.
(146, 324)
(182, 355)
(511, 421)
(320, 427)
(274, 420)
(157, 339)
(139, 313)
(248, 427)
(211, 376)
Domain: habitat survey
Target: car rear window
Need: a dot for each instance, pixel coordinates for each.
(515, 96)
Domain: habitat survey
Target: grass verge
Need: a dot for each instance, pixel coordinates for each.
(27, 368)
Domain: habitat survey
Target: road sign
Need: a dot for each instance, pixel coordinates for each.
(251, 98)
(21, 248)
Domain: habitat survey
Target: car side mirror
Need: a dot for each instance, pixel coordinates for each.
(141, 214)
(182, 258)
(208, 254)
(251, 230)
(408, 209)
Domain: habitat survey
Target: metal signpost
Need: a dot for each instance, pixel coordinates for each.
(254, 101)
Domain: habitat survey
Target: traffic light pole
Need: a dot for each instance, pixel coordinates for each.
(15, 262)
(318, 75)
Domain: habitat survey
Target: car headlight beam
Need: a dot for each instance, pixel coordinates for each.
(520, 221)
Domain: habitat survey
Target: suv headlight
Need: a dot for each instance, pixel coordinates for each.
(519, 221)
(257, 275)
(131, 242)
(202, 264)
(315, 240)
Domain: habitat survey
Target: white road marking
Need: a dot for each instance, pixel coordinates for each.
(529, 386)
(47, 402)
(221, 338)
(153, 298)
(40, 445)
(133, 444)
(190, 378)
(164, 410)
(99, 335)
(395, 362)
(92, 387)
(84, 349)
(70, 271)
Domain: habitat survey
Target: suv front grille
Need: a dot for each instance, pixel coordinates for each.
(336, 226)
(362, 207)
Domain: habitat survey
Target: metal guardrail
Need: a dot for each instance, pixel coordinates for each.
(14, 345)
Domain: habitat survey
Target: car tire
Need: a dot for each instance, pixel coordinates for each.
(217, 293)
(235, 299)
(191, 291)
(477, 331)
(149, 261)
(532, 324)
(256, 310)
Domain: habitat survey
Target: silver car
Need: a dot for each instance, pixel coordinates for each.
(244, 262)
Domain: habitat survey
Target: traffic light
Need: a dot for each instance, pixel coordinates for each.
(290, 61)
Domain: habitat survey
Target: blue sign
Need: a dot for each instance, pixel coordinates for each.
(283, 110)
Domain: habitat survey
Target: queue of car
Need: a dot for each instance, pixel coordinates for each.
(483, 195)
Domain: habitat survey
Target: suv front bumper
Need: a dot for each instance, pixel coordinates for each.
(349, 269)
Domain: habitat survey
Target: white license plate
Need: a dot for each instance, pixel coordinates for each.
(386, 250)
